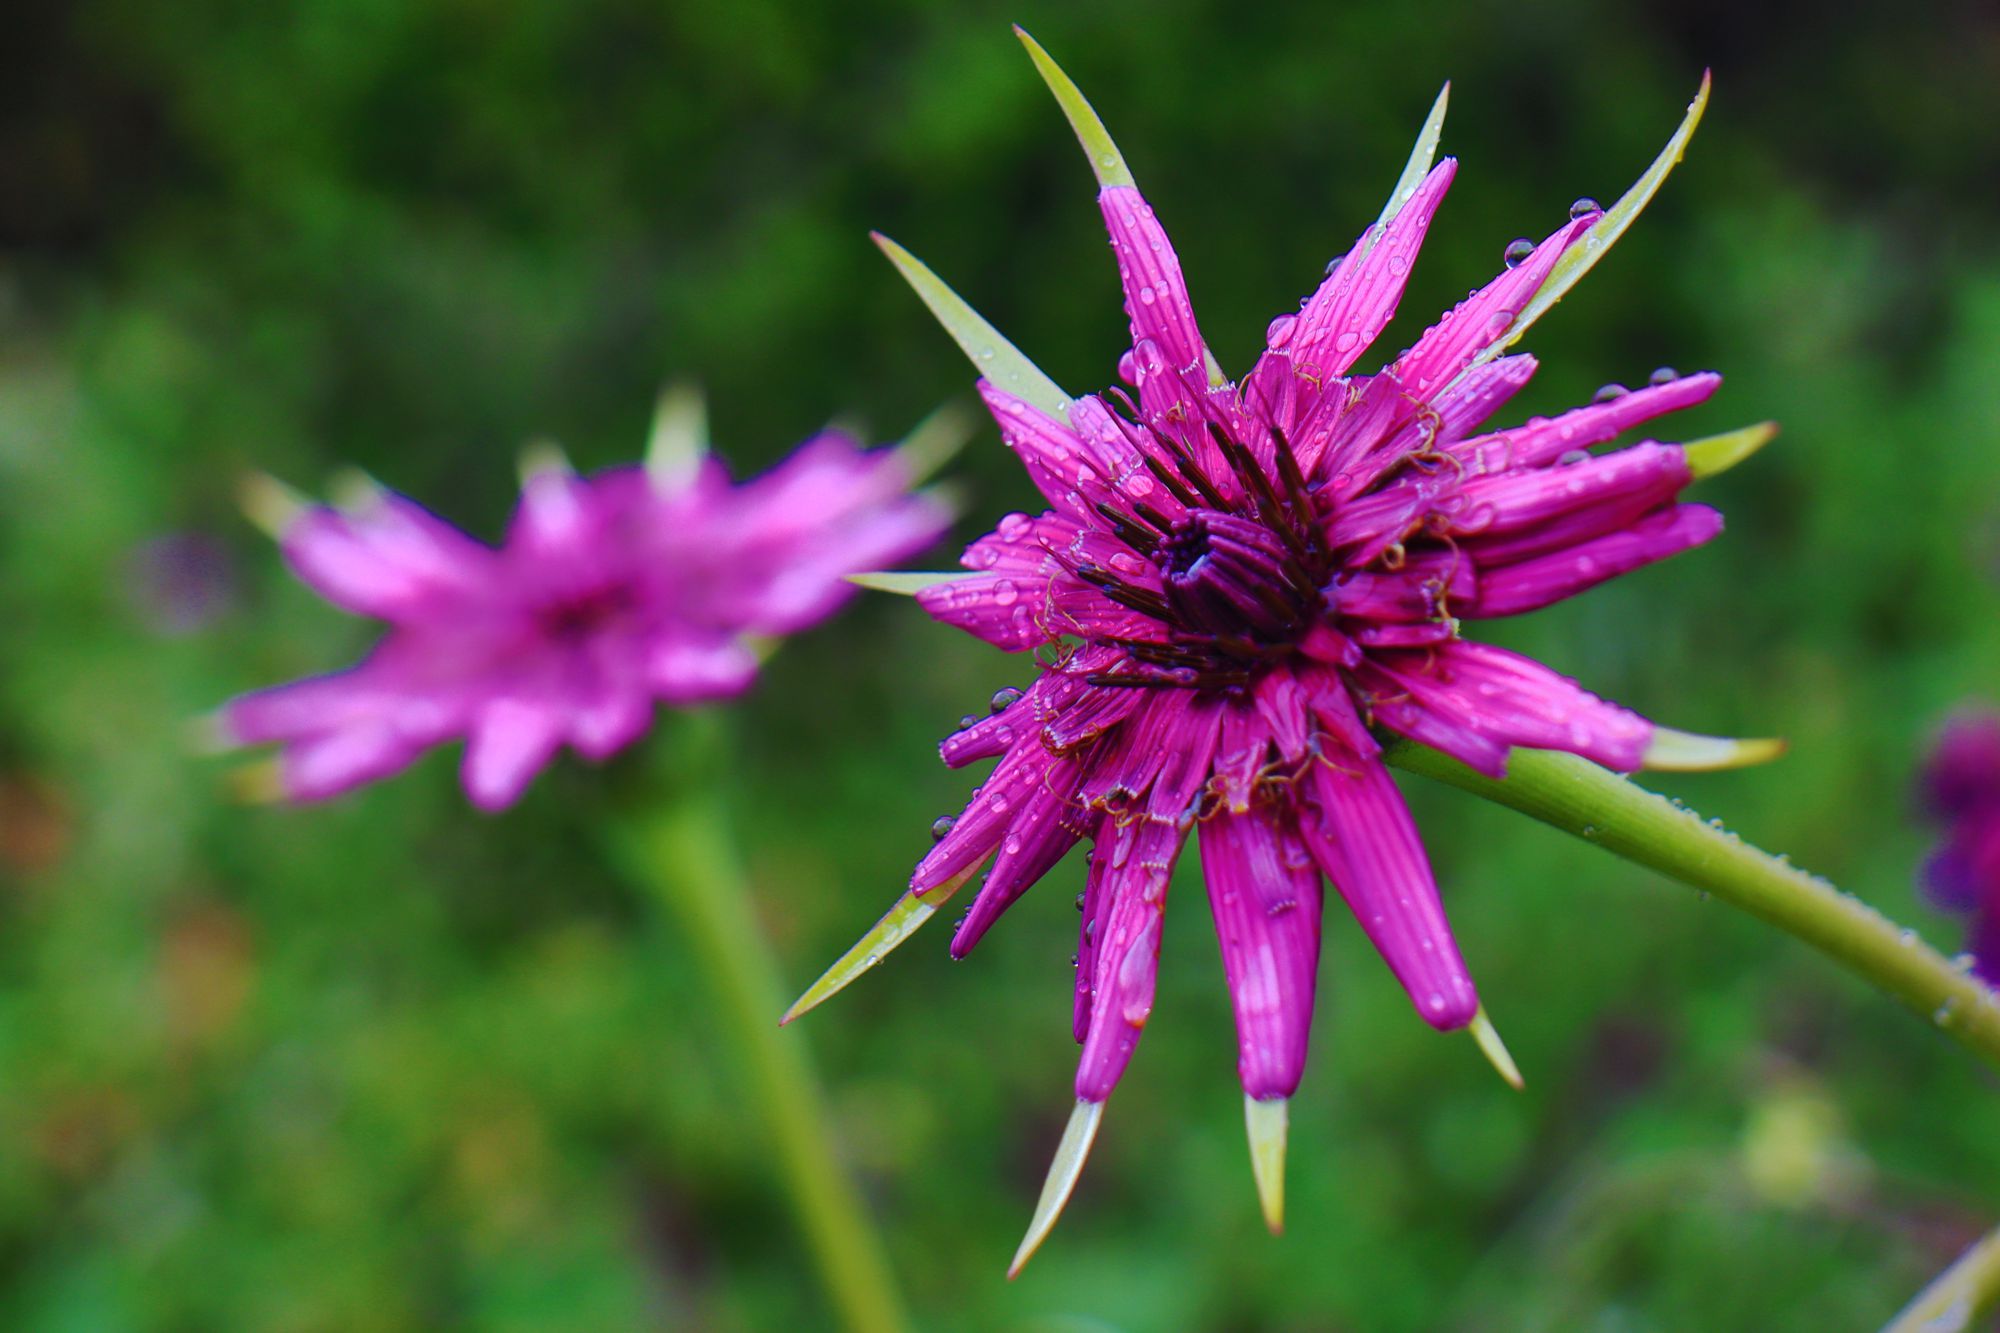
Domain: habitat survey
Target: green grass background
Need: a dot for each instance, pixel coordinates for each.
(389, 1064)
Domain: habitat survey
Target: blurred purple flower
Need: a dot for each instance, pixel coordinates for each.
(181, 582)
(1960, 786)
(610, 593)
(1238, 584)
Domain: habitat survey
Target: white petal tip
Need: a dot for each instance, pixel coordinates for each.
(1495, 1050)
(543, 458)
(270, 504)
(1105, 159)
(1266, 1121)
(1719, 453)
(258, 783)
(354, 491)
(679, 438)
(1063, 1172)
(906, 584)
(1685, 752)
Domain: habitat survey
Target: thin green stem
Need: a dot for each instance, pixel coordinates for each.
(681, 851)
(1957, 1296)
(1602, 808)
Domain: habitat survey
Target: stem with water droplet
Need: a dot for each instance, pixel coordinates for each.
(1618, 815)
(1957, 1296)
(680, 850)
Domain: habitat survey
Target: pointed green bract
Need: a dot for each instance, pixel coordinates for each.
(354, 491)
(1265, 1119)
(1068, 1165)
(1578, 259)
(1719, 453)
(1495, 1050)
(544, 458)
(679, 439)
(1105, 159)
(996, 359)
(897, 924)
(270, 504)
(1685, 752)
(1421, 157)
(935, 439)
(908, 583)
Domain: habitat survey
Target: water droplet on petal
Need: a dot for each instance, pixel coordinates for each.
(1572, 457)
(1516, 251)
(1003, 699)
(1664, 375)
(1279, 331)
(1609, 392)
(941, 827)
(1584, 207)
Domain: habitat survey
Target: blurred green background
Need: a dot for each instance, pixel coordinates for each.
(388, 1064)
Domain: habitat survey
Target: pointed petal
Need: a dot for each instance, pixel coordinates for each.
(510, 742)
(1455, 343)
(1719, 453)
(1077, 1137)
(1264, 891)
(1606, 230)
(1495, 1050)
(1545, 439)
(323, 766)
(1479, 393)
(1422, 154)
(907, 584)
(679, 440)
(1685, 752)
(1264, 1118)
(993, 356)
(1513, 590)
(1041, 834)
(1156, 296)
(897, 924)
(1127, 957)
(1366, 842)
(1356, 301)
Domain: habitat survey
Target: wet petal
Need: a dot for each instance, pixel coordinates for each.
(1360, 831)
(1264, 891)
(1141, 856)
(1516, 589)
(1048, 825)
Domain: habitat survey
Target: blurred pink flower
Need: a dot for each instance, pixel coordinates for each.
(1961, 790)
(610, 593)
(1239, 585)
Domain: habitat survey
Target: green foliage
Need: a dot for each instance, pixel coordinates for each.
(387, 1064)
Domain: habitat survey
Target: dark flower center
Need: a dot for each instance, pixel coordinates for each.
(579, 617)
(1226, 575)
(1240, 571)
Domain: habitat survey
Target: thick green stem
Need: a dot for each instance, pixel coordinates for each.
(1600, 807)
(680, 850)
(1959, 1295)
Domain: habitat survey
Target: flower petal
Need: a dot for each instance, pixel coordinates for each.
(1141, 856)
(1360, 831)
(1264, 891)
(511, 740)
(1513, 590)
(1048, 825)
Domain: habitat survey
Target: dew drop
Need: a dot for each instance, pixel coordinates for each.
(1609, 392)
(942, 826)
(1584, 207)
(1279, 331)
(1079, 902)
(1004, 699)
(1517, 250)
(970, 719)
(1664, 375)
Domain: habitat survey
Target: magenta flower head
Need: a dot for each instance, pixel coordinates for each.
(1960, 786)
(610, 593)
(1240, 587)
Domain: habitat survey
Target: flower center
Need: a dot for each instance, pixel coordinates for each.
(579, 617)
(1233, 578)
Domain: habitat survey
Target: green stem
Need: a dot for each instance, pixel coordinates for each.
(1600, 807)
(1957, 1296)
(681, 851)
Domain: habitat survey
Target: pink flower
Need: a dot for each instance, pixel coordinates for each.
(1240, 587)
(1961, 790)
(609, 594)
